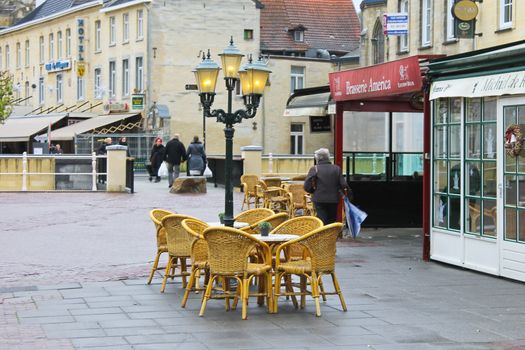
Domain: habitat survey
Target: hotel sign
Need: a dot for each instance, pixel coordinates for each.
(58, 66)
(80, 35)
(387, 79)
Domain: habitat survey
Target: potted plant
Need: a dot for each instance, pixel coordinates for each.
(264, 228)
(221, 218)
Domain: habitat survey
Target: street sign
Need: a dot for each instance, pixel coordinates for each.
(395, 23)
(137, 102)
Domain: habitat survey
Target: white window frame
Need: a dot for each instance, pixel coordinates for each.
(139, 73)
(125, 27)
(140, 24)
(18, 55)
(403, 39)
(112, 78)
(28, 54)
(112, 31)
(125, 77)
(298, 35)
(506, 8)
(59, 45)
(7, 57)
(450, 33)
(41, 91)
(42, 50)
(98, 37)
(296, 79)
(60, 88)
(81, 88)
(426, 23)
(51, 47)
(68, 42)
(97, 83)
(296, 135)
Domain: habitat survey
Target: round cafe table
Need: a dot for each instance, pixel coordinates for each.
(275, 238)
(236, 224)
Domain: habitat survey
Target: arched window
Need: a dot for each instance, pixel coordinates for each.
(378, 43)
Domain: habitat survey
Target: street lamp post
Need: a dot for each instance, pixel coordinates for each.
(253, 78)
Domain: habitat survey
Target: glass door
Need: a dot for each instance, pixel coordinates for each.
(513, 188)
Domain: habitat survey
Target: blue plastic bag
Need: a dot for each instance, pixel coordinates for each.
(354, 217)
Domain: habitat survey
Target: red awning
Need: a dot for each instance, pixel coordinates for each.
(386, 79)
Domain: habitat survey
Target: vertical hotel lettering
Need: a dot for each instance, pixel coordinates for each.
(80, 33)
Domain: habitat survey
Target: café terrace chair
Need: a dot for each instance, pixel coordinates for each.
(199, 256)
(156, 215)
(249, 183)
(272, 181)
(179, 247)
(274, 220)
(229, 251)
(297, 201)
(266, 192)
(252, 216)
(309, 207)
(321, 247)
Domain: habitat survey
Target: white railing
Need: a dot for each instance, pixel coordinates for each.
(26, 174)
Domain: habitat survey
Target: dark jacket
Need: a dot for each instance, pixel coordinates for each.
(196, 156)
(330, 182)
(102, 149)
(157, 156)
(175, 152)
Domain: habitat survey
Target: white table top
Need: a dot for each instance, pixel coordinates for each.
(276, 237)
(236, 224)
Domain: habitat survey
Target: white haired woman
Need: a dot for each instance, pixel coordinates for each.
(326, 183)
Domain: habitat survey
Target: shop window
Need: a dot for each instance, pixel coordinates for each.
(248, 34)
(505, 14)
(296, 138)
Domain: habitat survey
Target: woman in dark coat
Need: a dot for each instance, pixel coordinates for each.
(196, 157)
(156, 159)
(326, 183)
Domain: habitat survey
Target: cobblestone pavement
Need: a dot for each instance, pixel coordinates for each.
(72, 270)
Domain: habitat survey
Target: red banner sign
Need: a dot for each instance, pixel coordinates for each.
(386, 79)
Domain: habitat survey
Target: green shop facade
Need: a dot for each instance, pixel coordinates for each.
(477, 198)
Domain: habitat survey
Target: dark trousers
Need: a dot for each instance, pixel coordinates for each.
(327, 212)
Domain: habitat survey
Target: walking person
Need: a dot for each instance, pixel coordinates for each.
(196, 157)
(124, 142)
(156, 159)
(174, 156)
(326, 183)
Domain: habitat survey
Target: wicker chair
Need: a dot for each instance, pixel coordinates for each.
(251, 216)
(274, 220)
(272, 181)
(156, 215)
(229, 250)
(248, 183)
(309, 207)
(199, 255)
(297, 201)
(297, 226)
(179, 247)
(265, 193)
(321, 247)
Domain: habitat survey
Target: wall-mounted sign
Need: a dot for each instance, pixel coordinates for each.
(137, 102)
(81, 69)
(80, 35)
(464, 13)
(320, 124)
(191, 87)
(58, 66)
(395, 23)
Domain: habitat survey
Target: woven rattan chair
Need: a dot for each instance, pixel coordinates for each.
(179, 247)
(229, 250)
(298, 226)
(309, 207)
(156, 215)
(199, 255)
(265, 193)
(252, 216)
(249, 183)
(321, 247)
(273, 181)
(297, 201)
(274, 220)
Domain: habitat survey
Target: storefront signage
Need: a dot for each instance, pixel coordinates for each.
(392, 78)
(137, 102)
(80, 35)
(395, 23)
(58, 66)
(465, 12)
(487, 85)
(320, 124)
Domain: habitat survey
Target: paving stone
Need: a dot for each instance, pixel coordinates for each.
(135, 331)
(98, 341)
(43, 320)
(101, 317)
(127, 323)
(160, 346)
(98, 311)
(75, 333)
(160, 338)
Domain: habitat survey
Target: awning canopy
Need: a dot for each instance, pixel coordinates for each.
(20, 129)
(68, 133)
(308, 102)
